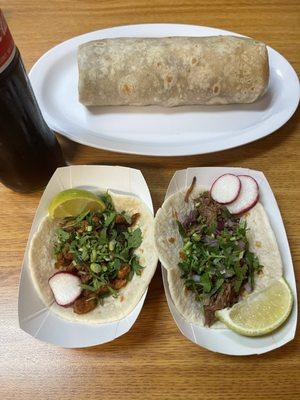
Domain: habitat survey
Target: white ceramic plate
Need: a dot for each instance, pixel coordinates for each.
(155, 130)
(226, 341)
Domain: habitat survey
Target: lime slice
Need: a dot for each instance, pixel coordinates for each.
(72, 202)
(260, 312)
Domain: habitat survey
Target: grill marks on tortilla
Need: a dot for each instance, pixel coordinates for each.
(216, 88)
(174, 214)
(172, 71)
(127, 89)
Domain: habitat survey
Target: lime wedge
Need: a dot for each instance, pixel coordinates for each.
(260, 313)
(72, 202)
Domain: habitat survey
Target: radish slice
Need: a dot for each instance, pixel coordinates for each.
(247, 198)
(66, 288)
(225, 189)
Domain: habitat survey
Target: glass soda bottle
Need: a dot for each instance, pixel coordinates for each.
(29, 150)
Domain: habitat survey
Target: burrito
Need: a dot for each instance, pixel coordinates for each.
(95, 267)
(213, 258)
(172, 71)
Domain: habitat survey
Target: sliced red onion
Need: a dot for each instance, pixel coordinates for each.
(247, 287)
(241, 244)
(220, 225)
(231, 224)
(190, 218)
(196, 278)
(210, 241)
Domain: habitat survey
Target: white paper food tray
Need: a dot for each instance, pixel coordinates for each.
(34, 317)
(224, 340)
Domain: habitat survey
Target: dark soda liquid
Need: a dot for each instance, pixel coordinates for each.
(29, 151)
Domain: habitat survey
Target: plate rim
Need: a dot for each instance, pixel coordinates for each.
(85, 137)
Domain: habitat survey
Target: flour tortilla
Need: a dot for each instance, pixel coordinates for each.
(41, 266)
(172, 71)
(168, 243)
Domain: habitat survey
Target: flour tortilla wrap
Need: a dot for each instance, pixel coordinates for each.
(41, 265)
(168, 243)
(172, 71)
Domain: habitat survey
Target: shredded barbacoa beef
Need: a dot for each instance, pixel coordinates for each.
(190, 189)
(216, 262)
(209, 210)
(99, 248)
(226, 297)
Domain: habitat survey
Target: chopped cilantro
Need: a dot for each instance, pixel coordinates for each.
(134, 239)
(215, 250)
(98, 247)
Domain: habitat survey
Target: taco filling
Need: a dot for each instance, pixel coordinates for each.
(98, 247)
(215, 261)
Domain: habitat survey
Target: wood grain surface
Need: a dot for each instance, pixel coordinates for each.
(153, 360)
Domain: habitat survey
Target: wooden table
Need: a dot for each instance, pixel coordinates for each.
(153, 360)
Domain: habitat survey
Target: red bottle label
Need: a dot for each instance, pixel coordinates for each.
(7, 45)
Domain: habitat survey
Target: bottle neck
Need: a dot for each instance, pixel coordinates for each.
(7, 45)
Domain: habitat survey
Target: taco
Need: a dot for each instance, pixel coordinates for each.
(213, 258)
(109, 255)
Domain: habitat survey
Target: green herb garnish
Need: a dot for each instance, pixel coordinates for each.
(99, 247)
(215, 251)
